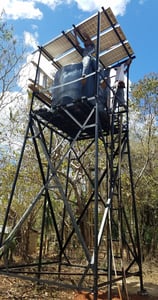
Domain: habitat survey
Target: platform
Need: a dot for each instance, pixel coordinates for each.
(76, 120)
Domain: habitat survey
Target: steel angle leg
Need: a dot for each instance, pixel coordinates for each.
(45, 182)
(58, 185)
(13, 186)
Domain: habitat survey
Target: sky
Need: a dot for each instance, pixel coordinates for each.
(36, 22)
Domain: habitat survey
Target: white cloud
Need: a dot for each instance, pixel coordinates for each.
(117, 6)
(52, 3)
(30, 39)
(16, 9)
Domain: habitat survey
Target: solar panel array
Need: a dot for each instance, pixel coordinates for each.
(114, 46)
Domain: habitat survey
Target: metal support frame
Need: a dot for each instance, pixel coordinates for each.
(101, 267)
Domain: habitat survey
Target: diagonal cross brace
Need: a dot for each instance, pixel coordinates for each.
(61, 191)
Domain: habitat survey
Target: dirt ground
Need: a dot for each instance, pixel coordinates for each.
(13, 288)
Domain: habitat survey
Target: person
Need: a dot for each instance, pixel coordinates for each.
(86, 52)
(88, 58)
(120, 84)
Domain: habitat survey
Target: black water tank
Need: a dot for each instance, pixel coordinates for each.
(70, 89)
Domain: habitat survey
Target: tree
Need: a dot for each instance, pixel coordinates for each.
(13, 115)
(12, 57)
(11, 60)
(145, 153)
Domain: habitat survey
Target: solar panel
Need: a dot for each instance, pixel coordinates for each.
(90, 25)
(114, 46)
(117, 54)
(69, 58)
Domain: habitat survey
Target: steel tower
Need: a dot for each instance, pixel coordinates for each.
(83, 157)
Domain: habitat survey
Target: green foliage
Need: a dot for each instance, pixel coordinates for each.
(145, 96)
(11, 59)
(12, 116)
(146, 88)
(145, 158)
